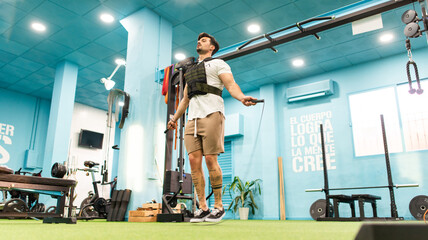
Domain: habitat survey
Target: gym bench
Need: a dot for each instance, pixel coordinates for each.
(366, 198)
(337, 199)
(57, 188)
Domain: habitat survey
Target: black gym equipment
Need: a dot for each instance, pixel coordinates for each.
(176, 184)
(94, 206)
(56, 188)
(413, 30)
(418, 206)
(326, 22)
(58, 170)
(119, 204)
(258, 101)
(15, 205)
(361, 198)
(318, 209)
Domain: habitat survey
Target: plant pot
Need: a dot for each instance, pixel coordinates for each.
(243, 213)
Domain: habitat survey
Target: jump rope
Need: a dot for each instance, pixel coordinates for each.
(252, 154)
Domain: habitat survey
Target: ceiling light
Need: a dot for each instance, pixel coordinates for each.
(386, 38)
(108, 83)
(107, 18)
(38, 27)
(120, 61)
(298, 63)
(253, 28)
(180, 56)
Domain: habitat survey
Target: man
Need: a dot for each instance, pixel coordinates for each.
(204, 132)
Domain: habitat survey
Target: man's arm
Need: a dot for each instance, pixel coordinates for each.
(235, 90)
(184, 103)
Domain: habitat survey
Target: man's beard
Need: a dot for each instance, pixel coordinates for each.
(200, 51)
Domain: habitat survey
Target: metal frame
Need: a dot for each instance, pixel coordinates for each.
(312, 30)
(9, 182)
(390, 186)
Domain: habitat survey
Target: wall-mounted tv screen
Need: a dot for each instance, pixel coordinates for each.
(91, 139)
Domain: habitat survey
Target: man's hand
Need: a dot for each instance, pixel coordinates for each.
(246, 100)
(172, 124)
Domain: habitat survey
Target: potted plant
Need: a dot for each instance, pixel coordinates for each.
(242, 195)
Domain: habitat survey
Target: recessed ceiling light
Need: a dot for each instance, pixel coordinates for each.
(39, 27)
(107, 18)
(180, 56)
(120, 61)
(386, 38)
(298, 62)
(253, 28)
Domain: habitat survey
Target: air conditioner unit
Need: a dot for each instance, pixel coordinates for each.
(308, 91)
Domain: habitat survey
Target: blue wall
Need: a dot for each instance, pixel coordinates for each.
(29, 118)
(250, 161)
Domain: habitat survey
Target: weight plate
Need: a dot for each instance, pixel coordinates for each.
(38, 207)
(409, 16)
(317, 209)
(100, 205)
(58, 170)
(88, 211)
(418, 206)
(15, 205)
(51, 209)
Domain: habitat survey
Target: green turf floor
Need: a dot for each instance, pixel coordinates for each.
(228, 229)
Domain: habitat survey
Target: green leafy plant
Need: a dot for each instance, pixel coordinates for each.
(242, 194)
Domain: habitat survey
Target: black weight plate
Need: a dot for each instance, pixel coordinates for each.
(38, 207)
(51, 209)
(418, 206)
(317, 209)
(58, 170)
(88, 211)
(15, 205)
(100, 205)
(409, 16)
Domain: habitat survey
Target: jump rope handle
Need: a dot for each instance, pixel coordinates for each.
(258, 101)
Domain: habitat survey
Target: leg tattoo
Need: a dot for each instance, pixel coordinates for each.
(216, 178)
(199, 182)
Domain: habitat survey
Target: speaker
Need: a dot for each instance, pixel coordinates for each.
(392, 231)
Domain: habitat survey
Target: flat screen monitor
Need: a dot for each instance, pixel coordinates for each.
(91, 139)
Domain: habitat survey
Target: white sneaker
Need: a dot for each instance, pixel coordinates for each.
(216, 215)
(200, 216)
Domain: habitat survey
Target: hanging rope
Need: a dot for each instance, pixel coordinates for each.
(415, 68)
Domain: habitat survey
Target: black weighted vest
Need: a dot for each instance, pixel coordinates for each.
(196, 80)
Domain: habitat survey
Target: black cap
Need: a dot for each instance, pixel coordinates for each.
(213, 41)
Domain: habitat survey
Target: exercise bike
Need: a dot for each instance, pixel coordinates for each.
(94, 206)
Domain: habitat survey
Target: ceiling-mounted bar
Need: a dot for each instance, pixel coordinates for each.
(298, 25)
(248, 48)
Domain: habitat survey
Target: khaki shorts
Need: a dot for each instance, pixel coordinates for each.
(209, 134)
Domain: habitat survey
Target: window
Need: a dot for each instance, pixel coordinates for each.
(366, 109)
(225, 162)
(396, 104)
(414, 117)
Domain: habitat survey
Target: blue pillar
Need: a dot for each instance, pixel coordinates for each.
(149, 48)
(58, 136)
(268, 140)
